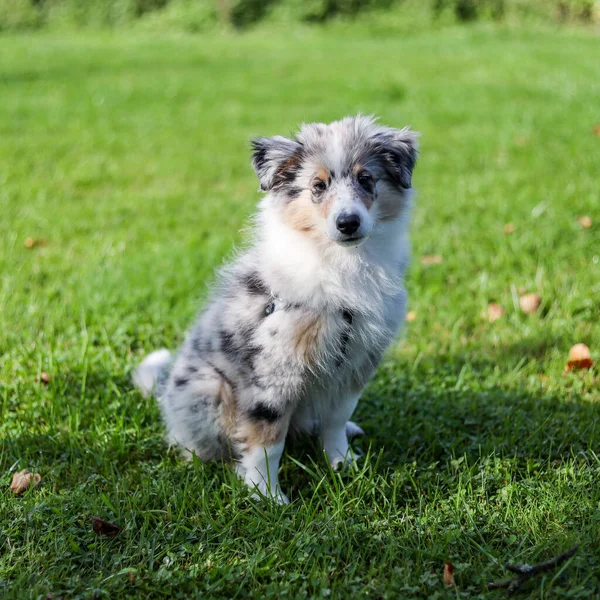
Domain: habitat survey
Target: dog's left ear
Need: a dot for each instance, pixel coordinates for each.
(276, 160)
(398, 149)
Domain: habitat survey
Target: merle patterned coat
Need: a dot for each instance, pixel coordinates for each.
(297, 323)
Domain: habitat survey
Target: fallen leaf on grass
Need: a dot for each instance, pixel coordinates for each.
(411, 316)
(432, 259)
(585, 221)
(33, 242)
(22, 480)
(45, 377)
(580, 357)
(131, 577)
(508, 228)
(102, 527)
(577, 365)
(449, 574)
(579, 352)
(494, 312)
(530, 303)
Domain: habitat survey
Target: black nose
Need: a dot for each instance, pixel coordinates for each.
(348, 223)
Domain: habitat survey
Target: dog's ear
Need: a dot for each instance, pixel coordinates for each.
(398, 151)
(276, 160)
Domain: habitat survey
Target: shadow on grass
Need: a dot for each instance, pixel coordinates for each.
(457, 407)
(432, 415)
(406, 509)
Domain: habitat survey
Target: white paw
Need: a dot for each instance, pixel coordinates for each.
(353, 430)
(266, 494)
(339, 462)
(262, 491)
(280, 498)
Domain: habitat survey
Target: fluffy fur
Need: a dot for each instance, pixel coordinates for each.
(298, 323)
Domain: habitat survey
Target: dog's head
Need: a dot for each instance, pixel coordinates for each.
(339, 181)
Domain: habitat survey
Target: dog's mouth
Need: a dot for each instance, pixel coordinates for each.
(352, 241)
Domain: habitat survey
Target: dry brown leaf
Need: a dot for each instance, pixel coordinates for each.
(432, 259)
(530, 303)
(449, 574)
(131, 577)
(508, 228)
(580, 357)
(577, 365)
(33, 242)
(494, 312)
(585, 221)
(579, 352)
(102, 527)
(23, 480)
(411, 316)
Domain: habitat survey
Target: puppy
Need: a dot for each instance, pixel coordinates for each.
(298, 323)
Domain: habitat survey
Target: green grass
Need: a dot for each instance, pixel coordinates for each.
(128, 156)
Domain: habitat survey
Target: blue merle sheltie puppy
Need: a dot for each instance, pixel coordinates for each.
(298, 322)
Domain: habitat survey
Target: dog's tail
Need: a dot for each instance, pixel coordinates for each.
(150, 372)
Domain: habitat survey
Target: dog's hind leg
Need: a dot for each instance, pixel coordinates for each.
(192, 404)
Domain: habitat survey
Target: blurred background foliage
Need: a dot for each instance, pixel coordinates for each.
(204, 15)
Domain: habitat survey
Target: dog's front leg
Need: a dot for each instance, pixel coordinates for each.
(259, 466)
(334, 432)
(260, 446)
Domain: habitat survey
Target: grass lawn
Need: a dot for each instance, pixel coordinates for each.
(125, 159)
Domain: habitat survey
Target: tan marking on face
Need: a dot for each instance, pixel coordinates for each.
(391, 203)
(322, 174)
(299, 214)
(303, 215)
(326, 201)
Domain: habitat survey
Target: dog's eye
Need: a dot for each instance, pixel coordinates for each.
(319, 186)
(365, 180)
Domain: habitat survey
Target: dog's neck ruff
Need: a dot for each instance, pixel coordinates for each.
(300, 270)
(275, 300)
